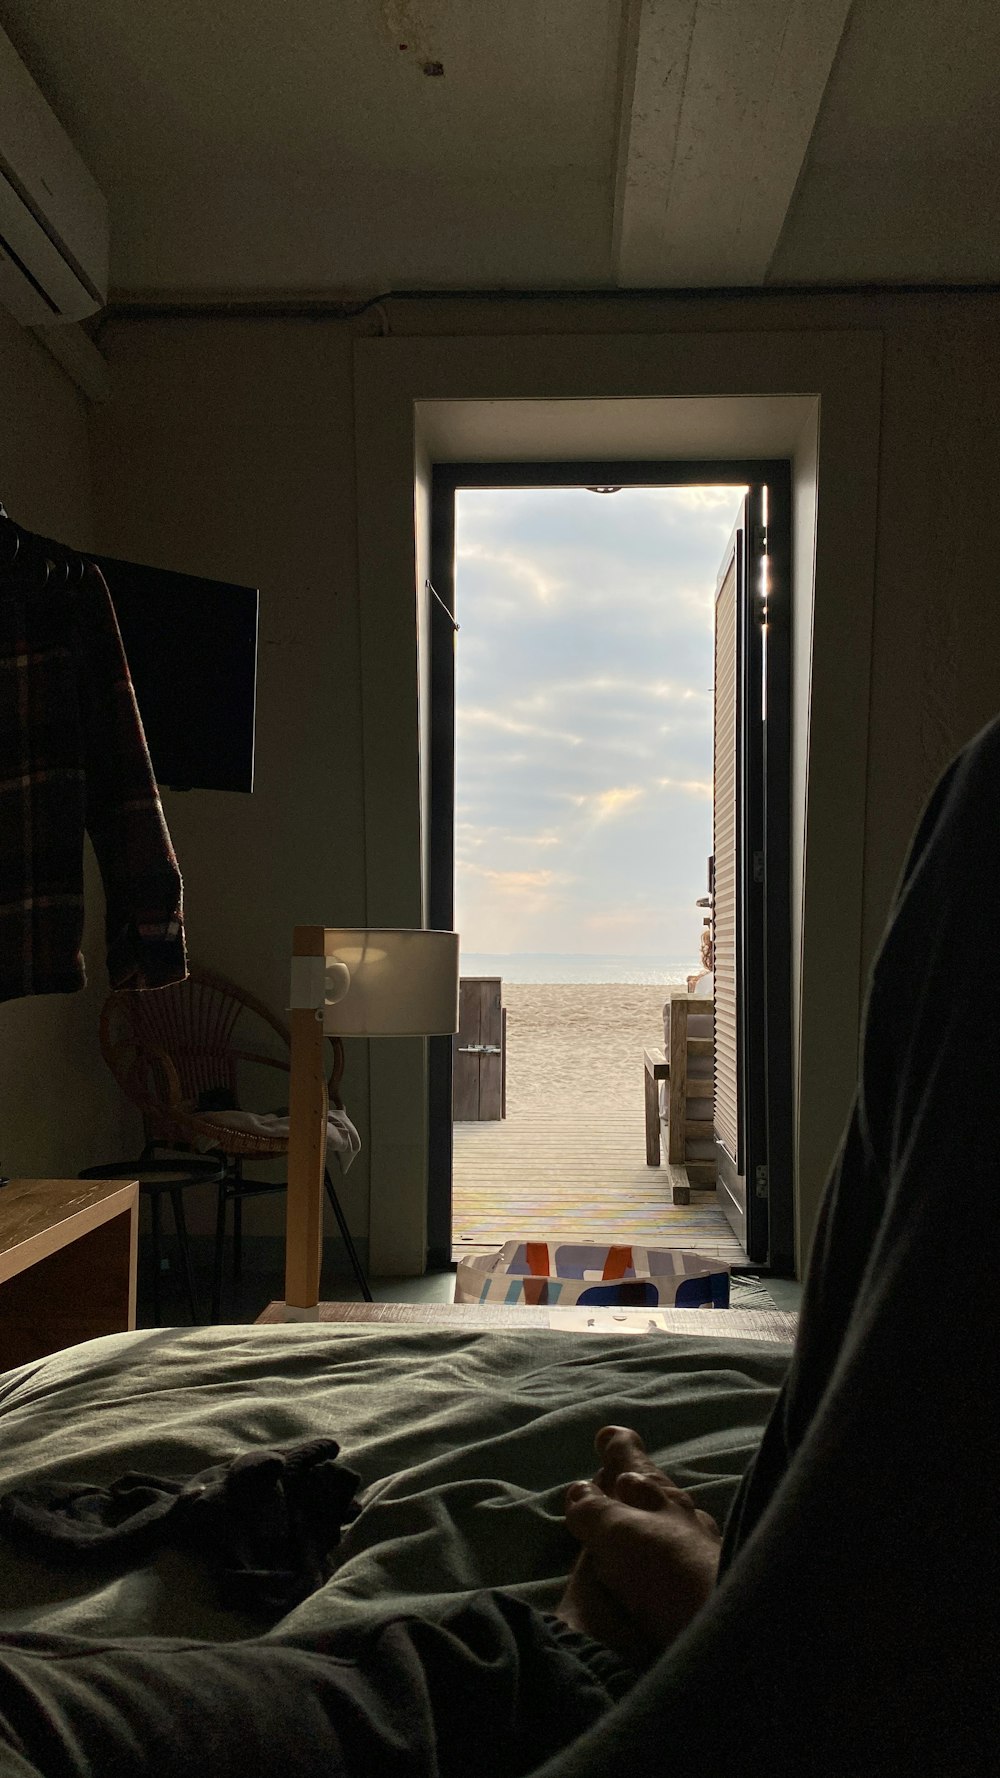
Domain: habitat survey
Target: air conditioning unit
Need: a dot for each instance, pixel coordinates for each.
(53, 218)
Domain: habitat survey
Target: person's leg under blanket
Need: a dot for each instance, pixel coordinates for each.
(856, 1625)
(854, 1629)
(496, 1688)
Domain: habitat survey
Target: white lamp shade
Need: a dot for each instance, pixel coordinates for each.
(401, 983)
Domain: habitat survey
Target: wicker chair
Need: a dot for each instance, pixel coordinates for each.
(175, 1054)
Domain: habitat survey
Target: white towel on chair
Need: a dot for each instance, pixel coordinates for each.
(342, 1138)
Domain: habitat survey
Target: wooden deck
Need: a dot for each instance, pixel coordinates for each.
(570, 1156)
(542, 1172)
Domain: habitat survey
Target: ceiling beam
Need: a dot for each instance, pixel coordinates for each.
(717, 105)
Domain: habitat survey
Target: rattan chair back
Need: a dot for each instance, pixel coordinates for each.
(175, 1053)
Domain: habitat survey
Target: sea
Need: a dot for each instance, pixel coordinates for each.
(553, 967)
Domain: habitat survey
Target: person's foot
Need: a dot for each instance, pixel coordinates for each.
(650, 1556)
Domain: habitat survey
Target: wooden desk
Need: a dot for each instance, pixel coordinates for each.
(67, 1263)
(776, 1325)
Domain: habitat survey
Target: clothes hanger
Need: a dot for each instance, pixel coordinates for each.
(30, 563)
(10, 540)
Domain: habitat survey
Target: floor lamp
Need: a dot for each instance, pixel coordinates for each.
(361, 981)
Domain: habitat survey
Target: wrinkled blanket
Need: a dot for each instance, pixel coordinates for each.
(464, 1442)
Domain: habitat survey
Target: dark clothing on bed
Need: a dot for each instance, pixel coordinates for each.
(855, 1629)
(73, 757)
(265, 1522)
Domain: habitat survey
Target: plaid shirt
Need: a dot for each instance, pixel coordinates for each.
(72, 757)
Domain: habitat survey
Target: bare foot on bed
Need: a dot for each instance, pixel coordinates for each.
(650, 1557)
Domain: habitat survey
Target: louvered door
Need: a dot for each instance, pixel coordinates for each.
(740, 1111)
(726, 892)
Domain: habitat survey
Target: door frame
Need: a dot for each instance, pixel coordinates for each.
(763, 942)
(774, 814)
(695, 381)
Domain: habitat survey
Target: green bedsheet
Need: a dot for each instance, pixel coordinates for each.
(464, 1441)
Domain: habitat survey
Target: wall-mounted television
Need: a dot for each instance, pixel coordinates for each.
(191, 646)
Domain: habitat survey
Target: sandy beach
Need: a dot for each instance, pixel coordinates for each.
(579, 1043)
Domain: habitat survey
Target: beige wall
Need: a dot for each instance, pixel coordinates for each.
(228, 449)
(936, 654)
(59, 1109)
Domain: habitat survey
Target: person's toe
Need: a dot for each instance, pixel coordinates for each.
(635, 1489)
(655, 1493)
(591, 1513)
(622, 1451)
(617, 1438)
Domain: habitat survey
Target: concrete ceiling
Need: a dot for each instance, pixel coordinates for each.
(337, 147)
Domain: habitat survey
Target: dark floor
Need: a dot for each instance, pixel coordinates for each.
(243, 1301)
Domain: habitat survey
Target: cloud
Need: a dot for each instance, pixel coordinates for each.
(537, 839)
(606, 685)
(690, 786)
(508, 908)
(476, 716)
(583, 687)
(668, 933)
(526, 569)
(475, 834)
(515, 881)
(604, 803)
(713, 500)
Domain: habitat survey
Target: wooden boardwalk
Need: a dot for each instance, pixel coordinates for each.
(570, 1156)
(543, 1172)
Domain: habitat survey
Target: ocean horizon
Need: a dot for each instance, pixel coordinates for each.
(558, 968)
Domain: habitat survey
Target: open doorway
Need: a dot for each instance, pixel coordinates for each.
(576, 821)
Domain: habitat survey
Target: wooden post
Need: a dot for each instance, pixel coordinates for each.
(677, 1113)
(491, 1061)
(652, 1116)
(655, 1068)
(306, 1144)
(479, 1079)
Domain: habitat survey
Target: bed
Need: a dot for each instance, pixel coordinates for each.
(465, 1437)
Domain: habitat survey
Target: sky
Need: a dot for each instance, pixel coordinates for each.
(584, 717)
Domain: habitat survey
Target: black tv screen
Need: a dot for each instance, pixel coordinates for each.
(191, 646)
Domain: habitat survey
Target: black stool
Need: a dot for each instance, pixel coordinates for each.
(235, 1189)
(155, 1178)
